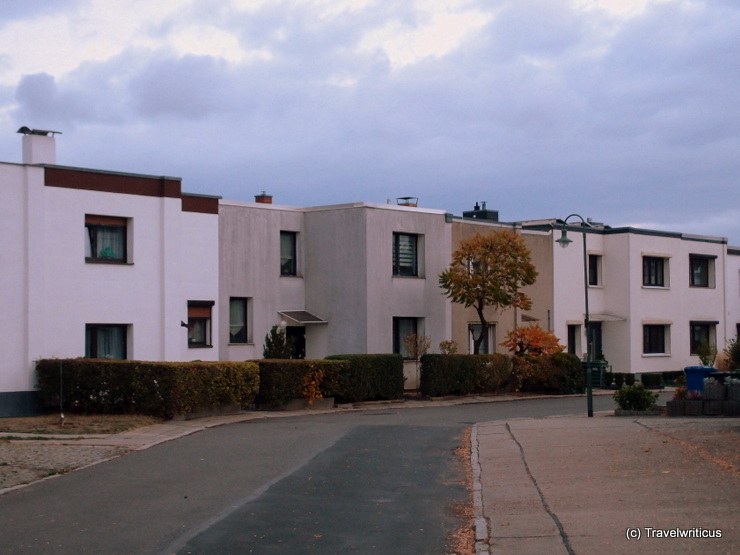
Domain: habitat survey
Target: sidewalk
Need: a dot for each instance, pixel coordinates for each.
(607, 485)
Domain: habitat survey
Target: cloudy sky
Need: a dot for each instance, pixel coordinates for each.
(625, 111)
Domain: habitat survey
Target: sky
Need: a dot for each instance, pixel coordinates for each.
(623, 111)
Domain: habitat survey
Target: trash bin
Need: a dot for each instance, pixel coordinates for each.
(695, 377)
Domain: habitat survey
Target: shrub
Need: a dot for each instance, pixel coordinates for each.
(163, 389)
(532, 340)
(629, 379)
(284, 379)
(560, 373)
(448, 347)
(277, 344)
(635, 397)
(370, 377)
(732, 352)
(463, 374)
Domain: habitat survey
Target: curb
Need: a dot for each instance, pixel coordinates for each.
(481, 523)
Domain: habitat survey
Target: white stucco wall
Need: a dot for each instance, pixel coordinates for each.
(629, 306)
(50, 292)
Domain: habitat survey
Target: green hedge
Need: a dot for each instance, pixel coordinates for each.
(163, 389)
(370, 377)
(463, 374)
(559, 374)
(652, 380)
(283, 379)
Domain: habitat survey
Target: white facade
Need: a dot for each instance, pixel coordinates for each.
(56, 295)
(642, 301)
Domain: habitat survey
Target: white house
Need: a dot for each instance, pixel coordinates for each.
(100, 263)
(653, 295)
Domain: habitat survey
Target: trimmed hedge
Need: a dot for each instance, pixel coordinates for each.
(163, 389)
(283, 379)
(463, 374)
(652, 380)
(370, 377)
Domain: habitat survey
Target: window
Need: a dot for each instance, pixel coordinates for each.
(654, 339)
(402, 328)
(701, 332)
(701, 271)
(105, 341)
(288, 262)
(105, 239)
(574, 336)
(405, 259)
(594, 269)
(654, 271)
(199, 323)
(487, 343)
(238, 320)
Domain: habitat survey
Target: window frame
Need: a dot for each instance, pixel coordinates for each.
(655, 269)
(710, 335)
(594, 270)
(398, 267)
(291, 258)
(707, 262)
(92, 340)
(95, 225)
(200, 313)
(488, 342)
(244, 312)
(656, 339)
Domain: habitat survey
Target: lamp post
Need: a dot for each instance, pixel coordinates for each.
(564, 241)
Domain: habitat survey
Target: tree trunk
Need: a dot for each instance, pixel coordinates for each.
(477, 341)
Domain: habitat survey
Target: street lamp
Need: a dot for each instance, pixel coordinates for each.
(564, 241)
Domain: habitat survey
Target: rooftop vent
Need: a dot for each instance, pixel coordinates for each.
(408, 201)
(43, 132)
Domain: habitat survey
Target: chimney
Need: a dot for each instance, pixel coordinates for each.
(481, 212)
(39, 146)
(263, 198)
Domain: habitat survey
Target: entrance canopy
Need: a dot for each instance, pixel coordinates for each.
(301, 317)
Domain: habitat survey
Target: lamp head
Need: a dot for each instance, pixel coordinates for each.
(564, 241)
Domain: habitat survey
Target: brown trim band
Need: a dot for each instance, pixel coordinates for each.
(112, 182)
(197, 203)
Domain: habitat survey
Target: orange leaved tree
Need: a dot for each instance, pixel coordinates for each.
(532, 340)
(488, 270)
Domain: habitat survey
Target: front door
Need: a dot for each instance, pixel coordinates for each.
(594, 338)
(297, 334)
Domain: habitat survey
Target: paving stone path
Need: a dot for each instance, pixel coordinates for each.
(24, 461)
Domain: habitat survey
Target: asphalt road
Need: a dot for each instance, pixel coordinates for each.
(376, 481)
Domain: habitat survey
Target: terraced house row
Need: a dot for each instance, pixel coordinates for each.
(108, 264)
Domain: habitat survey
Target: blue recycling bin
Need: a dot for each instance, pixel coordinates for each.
(695, 376)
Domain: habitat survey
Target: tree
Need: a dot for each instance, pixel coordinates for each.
(532, 340)
(277, 345)
(489, 271)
